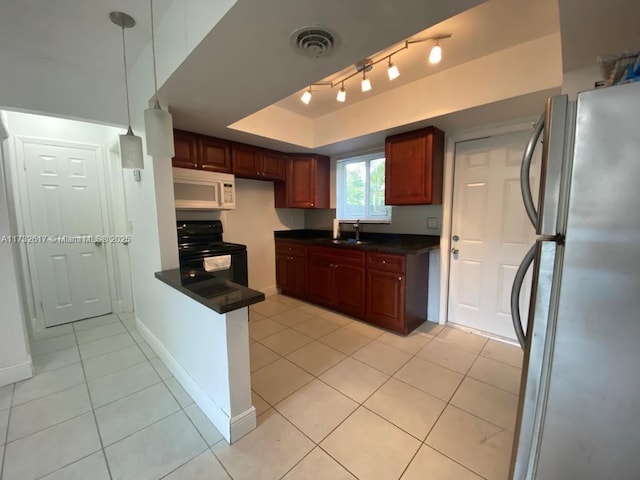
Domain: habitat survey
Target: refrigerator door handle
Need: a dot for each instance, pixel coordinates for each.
(525, 183)
(515, 295)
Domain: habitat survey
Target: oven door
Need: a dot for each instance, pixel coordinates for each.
(193, 268)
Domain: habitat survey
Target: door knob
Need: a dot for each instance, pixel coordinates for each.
(455, 251)
(455, 238)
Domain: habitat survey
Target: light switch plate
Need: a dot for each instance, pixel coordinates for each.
(432, 222)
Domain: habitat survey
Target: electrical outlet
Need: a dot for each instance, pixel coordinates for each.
(432, 222)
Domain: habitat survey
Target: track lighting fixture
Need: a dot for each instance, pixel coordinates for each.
(436, 54)
(366, 83)
(392, 70)
(306, 96)
(366, 65)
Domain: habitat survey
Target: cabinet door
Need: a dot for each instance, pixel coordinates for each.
(185, 150)
(271, 165)
(245, 161)
(282, 271)
(413, 167)
(386, 299)
(215, 154)
(298, 275)
(349, 289)
(321, 278)
(301, 182)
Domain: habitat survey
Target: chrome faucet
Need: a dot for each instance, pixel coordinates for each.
(356, 227)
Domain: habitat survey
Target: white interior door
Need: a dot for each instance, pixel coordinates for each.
(64, 204)
(490, 232)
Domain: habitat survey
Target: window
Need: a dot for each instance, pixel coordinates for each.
(360, 189)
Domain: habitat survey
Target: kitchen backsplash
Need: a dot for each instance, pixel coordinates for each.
(408, 219)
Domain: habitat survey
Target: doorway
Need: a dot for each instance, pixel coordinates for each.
(490, 232)
(69, 201)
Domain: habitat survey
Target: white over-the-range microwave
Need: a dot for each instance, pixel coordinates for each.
(202, 190)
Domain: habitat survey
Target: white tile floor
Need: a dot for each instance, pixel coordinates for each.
(336, 399)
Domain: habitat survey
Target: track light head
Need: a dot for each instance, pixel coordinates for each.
(306, 96)
(436, 54)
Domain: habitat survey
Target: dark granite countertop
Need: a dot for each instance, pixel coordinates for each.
(219, 295)
(375, 242)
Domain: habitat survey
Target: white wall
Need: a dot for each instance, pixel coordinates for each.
(15, 358)
(580, 80)
(252, 223)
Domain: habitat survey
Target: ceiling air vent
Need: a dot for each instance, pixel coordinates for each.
(314, 41)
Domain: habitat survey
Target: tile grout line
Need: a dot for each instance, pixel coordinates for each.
(93, 412)
(6, 435)
(361, 404)
(465, 375)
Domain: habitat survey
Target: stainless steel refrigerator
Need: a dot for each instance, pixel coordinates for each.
(579, 411)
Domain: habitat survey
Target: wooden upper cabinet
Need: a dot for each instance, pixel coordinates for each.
(306, 184)
(185, 150)
(245, 160)
(257, 163)
(272, 165)
(215, 154)
(413, 169)
(201, 152)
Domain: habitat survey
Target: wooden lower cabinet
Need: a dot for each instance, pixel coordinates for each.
(337, 279)
(292, 268)
(388, 290)
(385, 299)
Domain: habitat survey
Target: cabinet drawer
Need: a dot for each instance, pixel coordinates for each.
(290, 248)
(386, 262)
(342, 256)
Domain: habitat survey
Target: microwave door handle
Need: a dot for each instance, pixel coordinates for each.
(515, 295)
(525, 169)
(220, 194)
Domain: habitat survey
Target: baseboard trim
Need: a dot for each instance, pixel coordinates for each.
(16, 373)
(211, 409)
(243, 424)
(270, 291)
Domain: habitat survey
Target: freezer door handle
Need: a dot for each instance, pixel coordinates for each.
(515, 295)
(525, 183)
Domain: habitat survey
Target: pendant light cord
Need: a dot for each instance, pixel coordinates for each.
(126, 79)
(153, 51)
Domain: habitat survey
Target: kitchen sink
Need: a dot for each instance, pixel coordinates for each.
(350, 241)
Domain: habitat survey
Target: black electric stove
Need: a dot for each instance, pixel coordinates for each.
(201, 239)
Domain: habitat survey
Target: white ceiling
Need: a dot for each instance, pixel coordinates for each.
(597, 27)
(245, 63)
(77, 33)
(485, 29)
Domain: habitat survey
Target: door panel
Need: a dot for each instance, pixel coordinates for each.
(349, 289)
(64, 204)
(385, 298)
(493, 231)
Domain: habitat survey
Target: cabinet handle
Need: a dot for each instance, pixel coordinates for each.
(312, 204)
(384, 261)
(195, 165)
(399, 279)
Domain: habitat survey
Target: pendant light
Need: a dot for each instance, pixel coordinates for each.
(158, 123)
(130, 144)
